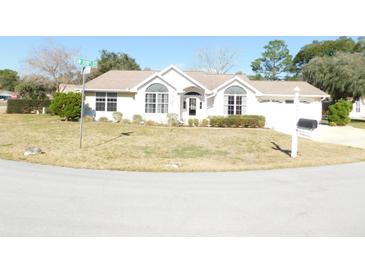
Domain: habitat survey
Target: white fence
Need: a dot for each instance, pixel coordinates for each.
(281, 116)
(3, 106)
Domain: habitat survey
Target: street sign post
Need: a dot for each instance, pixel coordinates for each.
(86, 66)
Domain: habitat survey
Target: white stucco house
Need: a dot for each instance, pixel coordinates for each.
(358, 109)
(197, 94)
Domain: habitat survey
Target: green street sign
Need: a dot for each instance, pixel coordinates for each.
(93, 64)
(87, 63)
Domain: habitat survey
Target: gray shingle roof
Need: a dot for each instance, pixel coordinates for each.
(119, 79)
(212, 81)
(286, 88)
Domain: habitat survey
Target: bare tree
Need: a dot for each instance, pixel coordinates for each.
(55, 62)
(218, 60)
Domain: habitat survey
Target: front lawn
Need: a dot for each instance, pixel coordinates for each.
(157, 148)
(358, 123)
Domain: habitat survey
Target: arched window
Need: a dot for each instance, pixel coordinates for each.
(157, 99)
(235, 99)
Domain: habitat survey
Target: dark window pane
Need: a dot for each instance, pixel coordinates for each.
(100, 94)
(111, 101)
(100, 106)
(100, 101)
(162, 103)
(150, 105)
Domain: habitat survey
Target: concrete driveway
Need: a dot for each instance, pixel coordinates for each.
(37, 200)
(346, 135)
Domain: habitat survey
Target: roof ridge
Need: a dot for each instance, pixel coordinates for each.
(211, 73)
(134, 70)
(281, 81)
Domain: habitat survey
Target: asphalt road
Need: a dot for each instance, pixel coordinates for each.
(38, 200)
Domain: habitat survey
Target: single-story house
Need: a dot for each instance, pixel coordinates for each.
(358, 109)
(66, 88)
(6, 95)
(198, 94)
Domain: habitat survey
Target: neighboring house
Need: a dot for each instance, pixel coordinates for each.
(358, 109)
(196, 94)
(6, 95)
(69, 88)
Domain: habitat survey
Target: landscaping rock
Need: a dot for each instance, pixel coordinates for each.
(174, 164)
(33, 151)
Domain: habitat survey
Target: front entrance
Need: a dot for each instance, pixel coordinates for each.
(192, 106)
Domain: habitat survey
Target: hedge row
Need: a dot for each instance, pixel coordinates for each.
(252, 121)
(26, 105)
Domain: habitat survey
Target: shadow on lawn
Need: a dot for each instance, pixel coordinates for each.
(277, 147)
(115, 138)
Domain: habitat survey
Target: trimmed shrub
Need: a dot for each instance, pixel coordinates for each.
(88, 118)
(249, 121)
(67, 105)
(191, 122)
(117, 116)
(204, 123)
(196, 122)
(338, 113)
(26, 105)
(103, 119)
(217, 121)
(126, 121)
(137, 119)
(172, 119)
(150, 123)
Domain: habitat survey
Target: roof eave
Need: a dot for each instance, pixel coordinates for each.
(110, 89)
(292, 95)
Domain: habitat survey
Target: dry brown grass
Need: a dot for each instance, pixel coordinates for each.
(150, 148)
(358, 124)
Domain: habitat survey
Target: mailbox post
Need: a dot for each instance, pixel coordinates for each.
(294, 139)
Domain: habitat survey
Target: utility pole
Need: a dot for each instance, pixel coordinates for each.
(294, 139)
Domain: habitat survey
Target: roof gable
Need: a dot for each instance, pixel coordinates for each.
(183, 74)
(212, 81)
(152, 78)
(241, 81)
